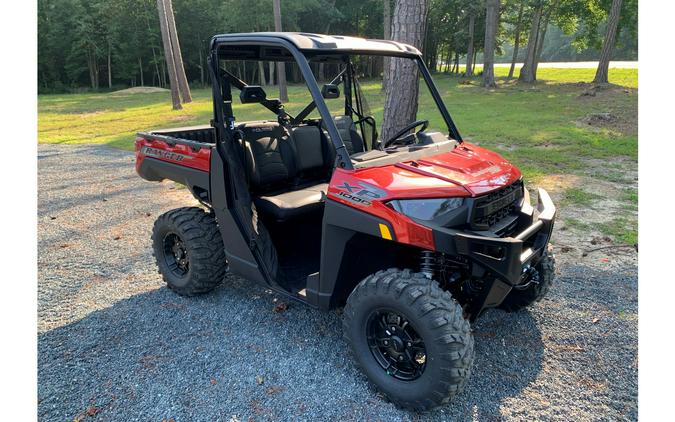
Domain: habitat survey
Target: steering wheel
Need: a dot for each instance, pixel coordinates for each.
(408, 128)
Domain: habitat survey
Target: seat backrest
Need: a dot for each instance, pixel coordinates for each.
(269, 155)
(309, 149)
(350, 136)
(276, 158)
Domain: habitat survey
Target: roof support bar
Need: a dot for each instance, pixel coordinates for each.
(341, 155)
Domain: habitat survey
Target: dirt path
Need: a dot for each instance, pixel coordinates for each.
(115, 344)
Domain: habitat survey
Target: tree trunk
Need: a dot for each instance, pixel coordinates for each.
(602, 73)
(155, 61)
(401, 98)
(322, 66)
(164, 73)
(448, 59)
(281, 66)
(469, 50)
(542, 36)
(109, 66)
(540, 47)
(295, 77)
(95, 65)
(527, 72)
(386, 24)
(271, 79)
(321, 72)
(473, 61)
(90, 65)
(516, 43)
(140, 67)
(168, 55)
(177, 56)
(154, 56)
(491, 22)
(201, 68)
(253, 73)
(261, 72)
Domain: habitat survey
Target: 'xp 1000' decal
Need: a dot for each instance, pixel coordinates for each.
(164, 154)
(361, 193)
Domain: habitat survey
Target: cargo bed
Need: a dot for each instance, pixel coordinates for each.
(180, 154)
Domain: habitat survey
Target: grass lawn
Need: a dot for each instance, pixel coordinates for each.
(546, 128)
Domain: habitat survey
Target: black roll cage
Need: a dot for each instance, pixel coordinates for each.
(223, 118)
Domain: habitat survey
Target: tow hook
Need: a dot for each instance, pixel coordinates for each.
(530, 276)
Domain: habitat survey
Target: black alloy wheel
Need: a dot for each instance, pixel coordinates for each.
(409, 337)
(176, 255)
(189, 251)
(395, 345)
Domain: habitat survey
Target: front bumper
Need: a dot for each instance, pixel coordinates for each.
(505, 258)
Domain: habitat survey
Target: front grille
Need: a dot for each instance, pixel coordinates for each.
(491, 209)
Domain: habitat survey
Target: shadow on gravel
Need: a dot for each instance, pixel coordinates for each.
(157, 355)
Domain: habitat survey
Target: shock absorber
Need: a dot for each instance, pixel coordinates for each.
(427, 263)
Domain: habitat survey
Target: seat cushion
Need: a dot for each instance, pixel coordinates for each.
(292, 204)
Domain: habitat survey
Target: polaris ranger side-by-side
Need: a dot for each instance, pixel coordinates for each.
(414, 235)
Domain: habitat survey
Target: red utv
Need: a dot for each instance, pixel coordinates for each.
(414, 235)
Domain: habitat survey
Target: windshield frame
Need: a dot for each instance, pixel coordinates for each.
(302, 58)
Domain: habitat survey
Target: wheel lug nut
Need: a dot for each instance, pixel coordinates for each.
(386, 342)
(393, 328)
(409, 344)
(400, 358)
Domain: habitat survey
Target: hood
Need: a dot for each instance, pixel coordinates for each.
(476, 169)
(468, 170)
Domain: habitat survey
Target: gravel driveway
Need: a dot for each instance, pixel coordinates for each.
(115, 344)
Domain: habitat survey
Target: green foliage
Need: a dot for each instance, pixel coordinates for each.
(621, 230)
(75, 37)
(577, 224)
(586, 20)
(578, 196)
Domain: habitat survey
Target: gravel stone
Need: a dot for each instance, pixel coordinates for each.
(115, 344)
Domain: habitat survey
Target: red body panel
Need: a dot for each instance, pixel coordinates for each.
(466, 171)
(177, 154)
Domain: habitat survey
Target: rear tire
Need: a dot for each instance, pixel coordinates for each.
(521, 299)
(432, 314)
(189, 251)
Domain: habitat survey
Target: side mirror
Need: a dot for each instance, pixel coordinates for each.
(252, 94)
(330, 91)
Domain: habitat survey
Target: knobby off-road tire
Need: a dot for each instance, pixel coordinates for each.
(520, 299)
(434, 315)
(203, 246)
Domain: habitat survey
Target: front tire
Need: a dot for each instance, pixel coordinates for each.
(427, 359)
(521, 299)
(189, 250)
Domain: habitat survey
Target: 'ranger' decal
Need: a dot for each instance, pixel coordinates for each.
(164, 154)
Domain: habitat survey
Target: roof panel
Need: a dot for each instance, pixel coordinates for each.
(308, 42)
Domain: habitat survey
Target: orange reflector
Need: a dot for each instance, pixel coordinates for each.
(384, 231)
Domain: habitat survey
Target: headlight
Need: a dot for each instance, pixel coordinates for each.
(426, 209)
